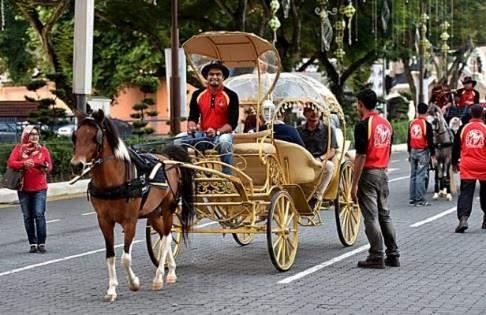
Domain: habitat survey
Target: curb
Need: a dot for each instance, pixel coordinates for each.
(55, 190)
(63, 189)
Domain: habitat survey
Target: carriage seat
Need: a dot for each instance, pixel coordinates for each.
(245, 146)
(301, 166)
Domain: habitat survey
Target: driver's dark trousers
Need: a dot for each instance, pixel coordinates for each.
(372, 197)
(465, 200)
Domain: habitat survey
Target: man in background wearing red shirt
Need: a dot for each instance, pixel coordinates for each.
(467, 96)
(373, 139)
(421, 150)
(469, 157)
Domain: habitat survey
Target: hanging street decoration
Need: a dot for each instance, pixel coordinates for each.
(348, 11)
(274, 22)
(444, 36)
(327, 32)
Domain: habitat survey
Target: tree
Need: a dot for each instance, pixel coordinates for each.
(148, 85)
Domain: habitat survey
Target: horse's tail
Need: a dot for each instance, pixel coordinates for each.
(186, 190)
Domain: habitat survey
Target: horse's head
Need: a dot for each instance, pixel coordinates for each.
(87, 141)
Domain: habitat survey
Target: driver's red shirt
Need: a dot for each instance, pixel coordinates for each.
(214, 109)
(473, 150)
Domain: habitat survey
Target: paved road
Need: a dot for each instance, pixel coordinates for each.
(442, 272)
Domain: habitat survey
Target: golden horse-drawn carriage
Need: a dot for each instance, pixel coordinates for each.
(272, 180)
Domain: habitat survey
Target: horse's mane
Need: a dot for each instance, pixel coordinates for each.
(112, 135)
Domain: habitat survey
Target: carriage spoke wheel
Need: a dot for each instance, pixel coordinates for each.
(153, 240)
(243, 239)
(282, 231)
(347, 212)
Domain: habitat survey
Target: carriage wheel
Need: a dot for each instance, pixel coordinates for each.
(282, 231)
(347, 212)
(153, 240)
(243, 238)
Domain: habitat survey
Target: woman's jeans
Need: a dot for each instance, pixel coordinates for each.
(33, 206)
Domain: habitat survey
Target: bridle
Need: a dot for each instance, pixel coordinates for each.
(98, 158)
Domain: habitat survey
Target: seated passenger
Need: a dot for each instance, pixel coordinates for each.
(216, 108)
(315, 135)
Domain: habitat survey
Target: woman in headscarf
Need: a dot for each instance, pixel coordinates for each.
(35, 161)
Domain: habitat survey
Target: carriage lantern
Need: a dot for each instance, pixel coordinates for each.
(268, 109)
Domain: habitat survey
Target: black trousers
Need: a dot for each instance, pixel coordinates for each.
(465, 200)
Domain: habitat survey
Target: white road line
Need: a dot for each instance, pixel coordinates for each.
(52, 221)
(49, 262)
(394, 161)
(354, 252)
(435, 217)
(398, 178)
(89, 213)
(205, 224)
(391, 170)
(324, 264)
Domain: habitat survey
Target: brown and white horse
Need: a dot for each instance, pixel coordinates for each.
(97, 146)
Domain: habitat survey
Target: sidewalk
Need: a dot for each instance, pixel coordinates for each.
(62, 189)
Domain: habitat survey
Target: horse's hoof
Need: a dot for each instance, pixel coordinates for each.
(435, 196)
(171, 279)
(156, 286)
(135, 285)
(110, 298)
(449, 197)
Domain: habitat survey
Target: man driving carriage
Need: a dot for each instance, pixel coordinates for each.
(315, 135)
(216, 109)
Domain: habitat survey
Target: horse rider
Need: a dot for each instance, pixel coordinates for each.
(373, 136)
(441, 97)
(469, 158)
(421, 150)
(215, 108)
(316, 136)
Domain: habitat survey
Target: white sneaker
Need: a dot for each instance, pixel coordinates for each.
(435, 196)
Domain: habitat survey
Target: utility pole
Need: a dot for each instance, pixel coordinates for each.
(175, 81)
(83, 51)
(421, 56)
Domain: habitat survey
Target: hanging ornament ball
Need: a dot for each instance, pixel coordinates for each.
(445, 26)
(274, 6)
(340, 53)
(274, 23)
(349, 10)
(445, 48)
(340, 25)
(444, 36)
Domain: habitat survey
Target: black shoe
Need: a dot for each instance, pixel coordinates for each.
(484, 223)
(373, 263)
(462, 225)
(392, 261)
(313, 202)
(42, 249)
(411, 202)
(423, 204)
(33, 249)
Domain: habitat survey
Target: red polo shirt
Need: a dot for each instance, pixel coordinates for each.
(473, 150)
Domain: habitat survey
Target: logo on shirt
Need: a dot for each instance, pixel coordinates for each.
(382, 136)
(475, 139)
(416, 132)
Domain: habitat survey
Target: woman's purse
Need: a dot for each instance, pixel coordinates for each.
(13, 179)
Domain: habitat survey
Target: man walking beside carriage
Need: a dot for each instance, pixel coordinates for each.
(373, 139)
(469, 158)
(216, 109)
(421, 151)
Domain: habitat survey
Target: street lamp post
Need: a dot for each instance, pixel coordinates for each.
(175, 81)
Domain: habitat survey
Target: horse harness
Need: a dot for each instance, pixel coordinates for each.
(138, 178)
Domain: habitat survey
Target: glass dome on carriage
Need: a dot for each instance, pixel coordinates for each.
(292, 92)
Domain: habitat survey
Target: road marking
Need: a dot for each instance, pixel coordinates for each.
(394, 161)
(324, 264)
(398, 178)
(89, 213)
(52, 221)
(435, 217)
(391, 170)
(205, 224)
(49, 262)
(354, 252)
